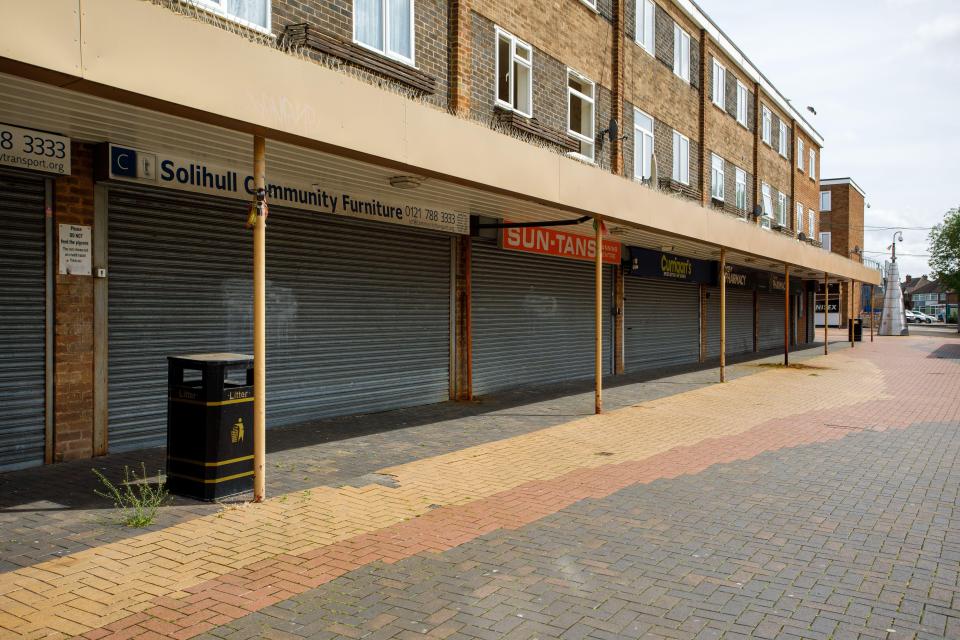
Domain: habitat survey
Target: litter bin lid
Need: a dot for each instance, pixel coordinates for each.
(214, 358)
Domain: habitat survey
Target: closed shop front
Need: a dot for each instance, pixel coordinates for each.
(771, 306)
(22, 320)
(358, 312)
(739, 321)
(662, 309)
(532, 316)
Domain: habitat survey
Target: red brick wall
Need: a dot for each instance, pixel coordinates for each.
(73, 352)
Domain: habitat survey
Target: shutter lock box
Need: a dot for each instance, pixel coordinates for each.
(210, 425)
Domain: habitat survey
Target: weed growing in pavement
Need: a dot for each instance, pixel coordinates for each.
(137, 507)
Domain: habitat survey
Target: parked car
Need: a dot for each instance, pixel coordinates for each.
(911, 317)
(925, 317)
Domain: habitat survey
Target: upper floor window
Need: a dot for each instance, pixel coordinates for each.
(741, 103)
(717, 177)
(783, 139)
(681, 53)
(767, 126)
(781, 209)
(767, 200)
(826, 201)
(580, 107)
(813, 164)
(811, 221)
(800, 154)
(719, 84)
(798, 221)
(251, 13)
(741, 182)
(646, 21)
(681, 158)
(514, 73)
(643, 152)
(825, 240)
(590, 3)
(386, 26)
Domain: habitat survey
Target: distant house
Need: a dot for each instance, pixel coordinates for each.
(929, 296)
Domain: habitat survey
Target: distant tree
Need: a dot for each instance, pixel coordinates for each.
(945, 251)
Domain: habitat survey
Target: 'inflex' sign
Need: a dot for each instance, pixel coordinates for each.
(163, 170)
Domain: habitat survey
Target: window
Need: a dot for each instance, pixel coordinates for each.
(783, 139)
(741, 103)
(799, 154)
(386, 26)
(767, 126)
(643, 145)
(826, 201)
(813, 164)
(767, 201)
(811, 222)
(681, 158)
(717, 177)
(825, 240)
(646, 19)
(681, 53)
(782, 209)
(798, 221)
(250, 13)
(514, 74)
(590, 3)
(719, 84)
(580, 107)
(741, 180)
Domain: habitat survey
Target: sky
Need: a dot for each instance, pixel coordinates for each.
(884, 77)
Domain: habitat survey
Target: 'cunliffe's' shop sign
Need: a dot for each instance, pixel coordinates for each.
(160, 169)
(646, 263)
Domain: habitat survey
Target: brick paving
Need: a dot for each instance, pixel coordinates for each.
(814, 502)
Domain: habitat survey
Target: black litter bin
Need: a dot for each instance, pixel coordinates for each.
(210, 425)
(855, 330)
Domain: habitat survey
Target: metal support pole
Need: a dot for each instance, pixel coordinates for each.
(259, 322)
(853, 309)
(723, 314)
(786, 315)
(826, 315)
(598, 338)
(873, 311)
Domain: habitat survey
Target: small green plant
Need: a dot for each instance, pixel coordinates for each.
(137, 500)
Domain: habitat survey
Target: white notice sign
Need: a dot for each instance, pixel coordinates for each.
(75, 247)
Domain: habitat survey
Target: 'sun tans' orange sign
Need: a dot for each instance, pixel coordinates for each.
(551, 242)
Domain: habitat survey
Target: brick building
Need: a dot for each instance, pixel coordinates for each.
(403, 139)
(842, 205)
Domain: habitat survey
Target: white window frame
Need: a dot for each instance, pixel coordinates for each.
(784, 139)
(220, 8)
(643, 140)
(590, 3)
(782, 206)
(646, 25)
(386, 51)
(719, 84)
(515, 43)
(741, 189)
(681, 53)
(718, 177)
(813, 164)
(826, 201)
(800, 154)
(590, 100)
(798, 220)
(681, 149)
(767, 130)
(826, 240)
(742, 103)
(767, 198)
(811, 221)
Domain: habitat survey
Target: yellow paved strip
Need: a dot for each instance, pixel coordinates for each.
(126, 576)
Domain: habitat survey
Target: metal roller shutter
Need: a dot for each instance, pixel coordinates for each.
(770, 334)
(533, 319)
(739, 321)
(661, 323)
(22, 322)
(357, 312)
